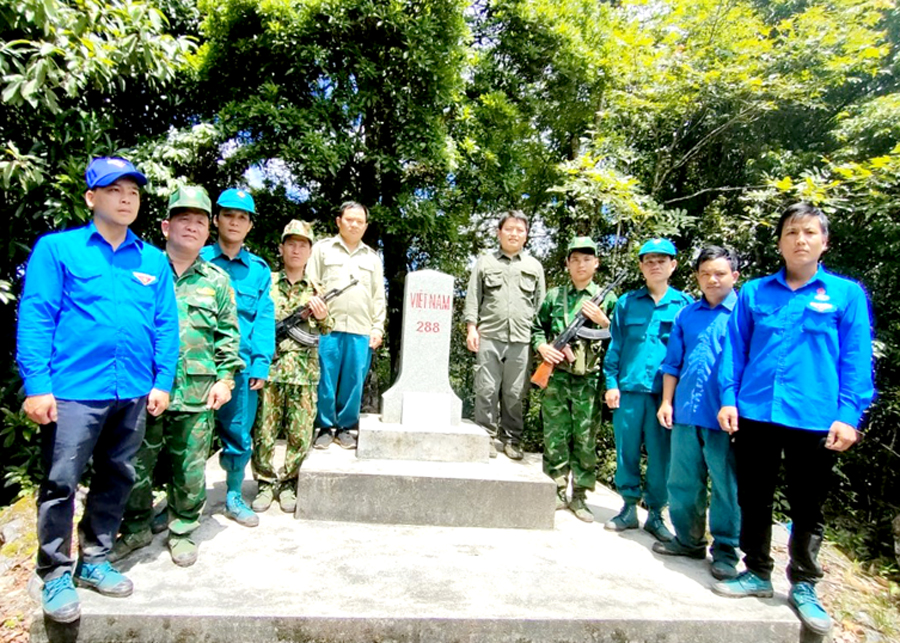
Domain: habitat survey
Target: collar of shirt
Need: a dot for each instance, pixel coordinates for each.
(592, 289)
(243, 256)
(728, 303)
(130, 238)
(666, 298)
(337, 240)
(781, 277)
(499, 254)
(198, 265)
(285, 283)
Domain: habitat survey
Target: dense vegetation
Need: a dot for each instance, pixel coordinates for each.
(695, 119)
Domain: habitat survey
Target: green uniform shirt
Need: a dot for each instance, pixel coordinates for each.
(208, 334)
(294, 363)
(560, 309)
(640, 332)
(504, 295)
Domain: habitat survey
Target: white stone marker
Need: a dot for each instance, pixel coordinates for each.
(422, 395)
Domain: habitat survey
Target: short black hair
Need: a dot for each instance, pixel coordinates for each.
(801, 211)
(512, 214)
(711, 253)
(350, 205)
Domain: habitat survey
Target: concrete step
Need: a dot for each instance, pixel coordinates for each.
(463, 442)
(334, 484)
(343, 582)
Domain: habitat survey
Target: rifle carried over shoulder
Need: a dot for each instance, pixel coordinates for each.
(576, 329)
(290, 325)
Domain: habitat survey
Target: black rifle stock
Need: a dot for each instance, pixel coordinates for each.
(543, 372)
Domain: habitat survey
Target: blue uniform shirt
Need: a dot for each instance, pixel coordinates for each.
(97, 323)
(640, 329)
(803, 358)
(251, 279)
(693, 355)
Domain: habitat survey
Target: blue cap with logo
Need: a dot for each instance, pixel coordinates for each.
(658, 247)
(107, 170)
(237, 199)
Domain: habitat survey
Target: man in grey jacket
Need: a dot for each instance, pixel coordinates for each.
(505, 291)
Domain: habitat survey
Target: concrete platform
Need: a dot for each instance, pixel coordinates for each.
(324, 582)
(463, 442)
(336, 485)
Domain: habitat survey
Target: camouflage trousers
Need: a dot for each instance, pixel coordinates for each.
(569, 414)
(287, 408)
(183, 440)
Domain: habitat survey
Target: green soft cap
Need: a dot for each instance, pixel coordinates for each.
(582, 244)
(190, 196)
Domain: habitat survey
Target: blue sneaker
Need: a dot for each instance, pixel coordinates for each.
(103, 578)
(746, 584)
(60, 600)
(803, 599)
(238, 511)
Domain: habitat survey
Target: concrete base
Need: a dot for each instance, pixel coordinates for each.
(324, 582)
(464, 442)
(336, 485)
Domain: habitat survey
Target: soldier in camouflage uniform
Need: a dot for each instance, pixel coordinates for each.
(204, 379)
(289, 400)
(569, 402)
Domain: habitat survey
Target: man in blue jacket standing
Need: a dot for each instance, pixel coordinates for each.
(251, 279)
(97, 348)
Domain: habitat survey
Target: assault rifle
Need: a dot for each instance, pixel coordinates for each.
(576, 329)
(290, 325)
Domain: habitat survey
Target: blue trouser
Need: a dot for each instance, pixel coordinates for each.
(699, 455)
(634, 425)
(110, 432)
(344, 360)
(235, 424)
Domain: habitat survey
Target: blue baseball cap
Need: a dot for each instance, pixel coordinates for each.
(237, 200)
(106, 170)
(659, 247)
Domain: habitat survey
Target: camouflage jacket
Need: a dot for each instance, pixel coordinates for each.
(294, 363)
(208, 334)
(559, 309)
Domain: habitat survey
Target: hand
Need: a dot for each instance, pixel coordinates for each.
(219, 395)
(841, 436)
(40, 408)
(473, 338)
(728, 419)
(550, 354)
(664, 414)
(593, 312)
(613, 397)
(375, 340)
(157, 402)
(318, 307)
(257, 383)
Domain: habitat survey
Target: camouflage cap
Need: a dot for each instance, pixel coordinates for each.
(583, 244)
(190, 196)
(298, 229)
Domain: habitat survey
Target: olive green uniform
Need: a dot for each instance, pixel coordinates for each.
(569, 403)
(209, 345)
(289, 399)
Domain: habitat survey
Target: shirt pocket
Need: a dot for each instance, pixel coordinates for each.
(246, 298)
(493, 279)
(765, 315)
(202, 312)
(817, 323)
(528, 285)
(666, 321)
(635, 326)
(365, 276)
(84, 284)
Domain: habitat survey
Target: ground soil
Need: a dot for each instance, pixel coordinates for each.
(865, 606)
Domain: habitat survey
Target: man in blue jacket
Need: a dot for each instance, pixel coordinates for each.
(251, 279)
(97, 348)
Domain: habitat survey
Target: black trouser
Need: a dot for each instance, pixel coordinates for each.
(110, 431)
(758, 448)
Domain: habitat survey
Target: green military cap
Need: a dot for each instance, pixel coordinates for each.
(298, 229)
(582, 244)
(190, 196)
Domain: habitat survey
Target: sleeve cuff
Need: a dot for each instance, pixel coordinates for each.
(258, 372)
(164, 383)
(670, 370)
(611, 383)
(38, 386)
(729, 398)
(849, 416)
